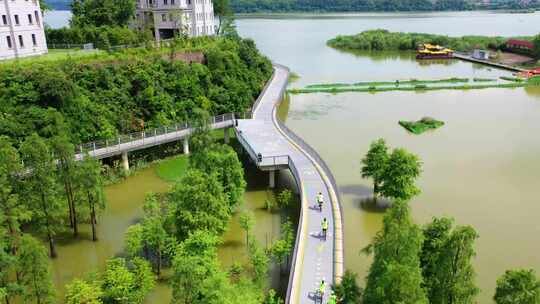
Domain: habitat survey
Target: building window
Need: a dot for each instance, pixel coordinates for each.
(17, 20)
(36, 13)
(8, 38)
(163, 17)
(30, 18)
(34, 41)
(172, 2)
(165, 2)
(4, 20)
(21, 41)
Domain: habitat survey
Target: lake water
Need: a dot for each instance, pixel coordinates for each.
(481, 168)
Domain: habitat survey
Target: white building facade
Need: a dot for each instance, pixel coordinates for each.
(21, 29)
(166, 18)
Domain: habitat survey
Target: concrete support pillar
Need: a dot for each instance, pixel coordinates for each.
(272, 175)
(227, 135)
(125, 161)
(186, 146)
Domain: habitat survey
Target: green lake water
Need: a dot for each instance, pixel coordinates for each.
(481, 168)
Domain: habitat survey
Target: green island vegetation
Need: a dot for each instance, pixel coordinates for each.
(422, 264)
(380, 40)
(422, 125)
(416, 85)
(282, 6)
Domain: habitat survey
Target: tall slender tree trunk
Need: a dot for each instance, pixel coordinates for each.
(51, 246)
(93, 220)
(7, 299)
(159, 262)
(69, 199)
(47, 223)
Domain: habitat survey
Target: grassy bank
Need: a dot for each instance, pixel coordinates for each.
(422, 125)
(384, 40)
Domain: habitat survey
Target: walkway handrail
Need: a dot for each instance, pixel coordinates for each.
(148, 136)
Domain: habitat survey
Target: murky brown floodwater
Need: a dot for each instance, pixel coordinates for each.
(124, 208)
(481, 168)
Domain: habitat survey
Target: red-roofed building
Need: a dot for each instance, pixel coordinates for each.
(519, 45)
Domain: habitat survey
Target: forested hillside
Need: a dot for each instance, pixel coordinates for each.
(124, 92)
(250, 6)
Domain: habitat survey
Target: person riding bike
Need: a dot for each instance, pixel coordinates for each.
(320, 200)
(324, 226)
(322, 289)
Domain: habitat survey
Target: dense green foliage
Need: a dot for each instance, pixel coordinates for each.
(395, 274)
(101, 22)
(518, 286)
(102, 12)
(447, 262)
(348, 291)
(394, 173)
(429, 265)
(103, 37)
(422, 125)
(379, 40)
(112, 94)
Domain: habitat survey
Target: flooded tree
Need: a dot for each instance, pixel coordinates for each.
(518, 286)
(41, 188)
(374, 164)
(395, 275)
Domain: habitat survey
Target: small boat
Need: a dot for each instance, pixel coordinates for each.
(430, 51)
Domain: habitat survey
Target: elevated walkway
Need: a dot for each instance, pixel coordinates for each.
(273, 147)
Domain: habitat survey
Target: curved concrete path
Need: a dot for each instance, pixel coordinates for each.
(314, 258)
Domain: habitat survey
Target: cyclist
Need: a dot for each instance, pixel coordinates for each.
(320, 200)
(324, 226)
(322, 289)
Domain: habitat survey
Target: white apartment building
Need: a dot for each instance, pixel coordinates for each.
(21, 29)
(168, 17)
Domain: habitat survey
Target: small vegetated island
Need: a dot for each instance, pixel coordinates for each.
(422, 125)
(383, 40)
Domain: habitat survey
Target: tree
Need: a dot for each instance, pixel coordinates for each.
(284, 198)
(395, 274)
(282, 248)
(102, 12)
(436, 234)
(12, 210)
(223, 160)
(91, 186)
(42, 189)
(518, 286)
(247, 221)
(34, 273)
(9, 286)
(348, 290)
(64, 152)
(259, 262)
(82, 292)
(400, 174)
(222, 10)
(197, 278)
(374, 164)
(127, 283)
(447, 263)
(154, 235)
(199, 204)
